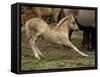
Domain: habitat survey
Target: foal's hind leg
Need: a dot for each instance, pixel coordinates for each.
(72, 46)
(33, 46)
(34, 49)
(38, 51)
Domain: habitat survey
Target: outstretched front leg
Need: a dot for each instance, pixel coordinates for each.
(69, 44)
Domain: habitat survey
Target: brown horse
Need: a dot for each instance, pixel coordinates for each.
(36, 27)
(86, 22)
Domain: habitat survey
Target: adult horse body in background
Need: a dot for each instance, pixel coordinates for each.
(36, 27)
(41, 12)
(86, 23)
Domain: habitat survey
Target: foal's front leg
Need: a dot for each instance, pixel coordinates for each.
(72, 46)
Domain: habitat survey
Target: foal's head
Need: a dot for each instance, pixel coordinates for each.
(72, 24)
(68, 22)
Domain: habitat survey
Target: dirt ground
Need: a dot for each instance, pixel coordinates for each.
(55, 56)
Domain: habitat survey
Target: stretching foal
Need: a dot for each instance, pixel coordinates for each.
(36, 27)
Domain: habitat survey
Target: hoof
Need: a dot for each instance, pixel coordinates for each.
(38, 58)
(85, 55)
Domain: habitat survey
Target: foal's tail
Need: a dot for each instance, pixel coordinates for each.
(27, 29)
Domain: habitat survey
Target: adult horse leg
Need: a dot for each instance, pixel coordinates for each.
(69, 44)
(84, 36)
(86, 39)
(89, 40)
(70, 34)
(60, 15)
(93, 38)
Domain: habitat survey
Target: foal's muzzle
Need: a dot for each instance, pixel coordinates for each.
(76, 29)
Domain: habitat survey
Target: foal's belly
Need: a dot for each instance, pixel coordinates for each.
(55, 37)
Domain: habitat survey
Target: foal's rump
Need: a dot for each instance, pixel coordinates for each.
(35, 25)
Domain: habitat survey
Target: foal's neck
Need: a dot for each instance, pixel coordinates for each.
(64, 27)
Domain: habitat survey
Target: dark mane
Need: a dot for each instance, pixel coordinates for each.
(62, 21)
